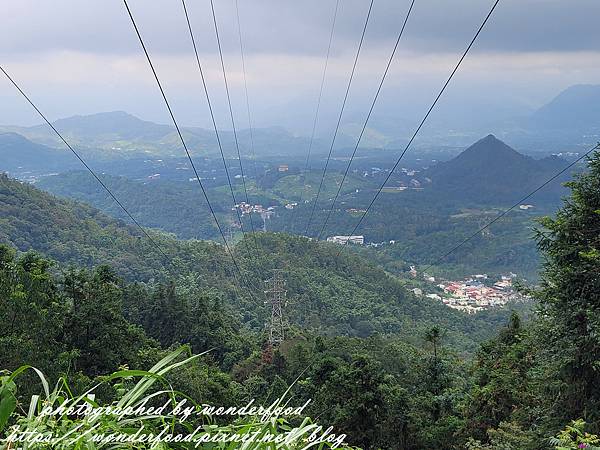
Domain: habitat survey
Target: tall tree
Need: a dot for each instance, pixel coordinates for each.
(31, 313)
(569, 295)
(95, 325)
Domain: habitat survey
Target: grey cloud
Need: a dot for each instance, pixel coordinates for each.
(83, 56)
(297, 27)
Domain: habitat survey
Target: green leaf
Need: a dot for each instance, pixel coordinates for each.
(8, 403)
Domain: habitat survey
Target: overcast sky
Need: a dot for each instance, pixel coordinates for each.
(79, 57)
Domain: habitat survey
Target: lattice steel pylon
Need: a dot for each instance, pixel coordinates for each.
(277, 298)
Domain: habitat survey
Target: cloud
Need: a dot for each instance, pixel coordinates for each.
(83, 57)
(297, 27)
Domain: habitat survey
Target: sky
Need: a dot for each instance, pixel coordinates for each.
(81, 57)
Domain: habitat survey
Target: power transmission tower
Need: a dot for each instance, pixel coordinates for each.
(277, 299)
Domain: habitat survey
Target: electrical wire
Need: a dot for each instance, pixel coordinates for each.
(364, 127)
(237, 145)
(506, 211)
(362, 37)
(210, 207)
(315, 120)
(439, 95)
(250, 128)
(85, 164)
(214, 123)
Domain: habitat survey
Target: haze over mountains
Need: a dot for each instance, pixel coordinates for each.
(436, 290)
(144, 164)
(569, 121)
(454, 200)
(575, 108)
(117, 134)
(17, 152)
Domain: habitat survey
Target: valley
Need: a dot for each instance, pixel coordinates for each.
(425, 207)
(378, 322)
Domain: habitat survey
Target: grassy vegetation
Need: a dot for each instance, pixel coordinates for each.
(138, 417)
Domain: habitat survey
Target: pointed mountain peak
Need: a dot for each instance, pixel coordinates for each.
(490, 137)
(489, 146)
(490, 171)
(487, 155)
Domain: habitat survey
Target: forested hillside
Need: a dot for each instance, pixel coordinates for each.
(421, 224)
(160, 205)
(330, 293)
(18, 153)
(390, 390)
(288, 225)
(88, 323)
(452, 201)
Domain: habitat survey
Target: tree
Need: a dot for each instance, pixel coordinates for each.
(568, 335)
(95, 325)
(32, 312)
(353, 399)
(433, 336)
(501, 380)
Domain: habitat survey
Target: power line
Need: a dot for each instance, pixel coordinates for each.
(489, 14)
(212, 116)
(506, 211)
(339, 117)
(315, 120)
(117, 201)
(237, 145)
(364, 127)
(250, 129)
(228, 249)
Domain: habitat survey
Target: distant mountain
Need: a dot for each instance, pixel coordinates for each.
(19, 155)
(111, 125)
(575, 108)
(104, 135)
(117, 134)
(491, 172)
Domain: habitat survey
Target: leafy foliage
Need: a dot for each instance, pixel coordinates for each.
(569, 324)
(574, 436)
(120, 429)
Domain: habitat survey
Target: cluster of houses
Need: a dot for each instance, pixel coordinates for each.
(247, 208)
(474, 294)
(357, 240)
(381, 244)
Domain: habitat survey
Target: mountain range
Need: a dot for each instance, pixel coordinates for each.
(457, 197)
(117, 134)
(566, 121)
(576, 108)
(569, 120)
